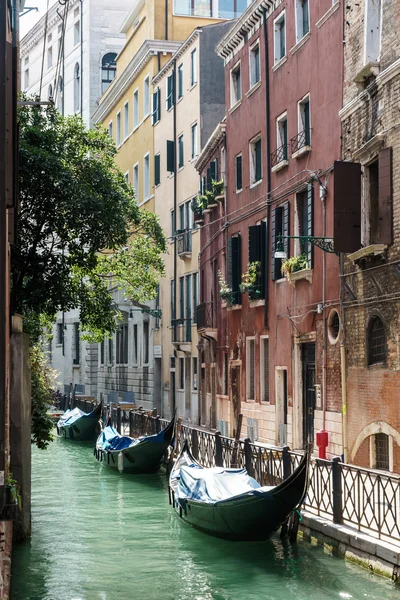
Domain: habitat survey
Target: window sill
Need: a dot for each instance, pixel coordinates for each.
(300, 43)
(180, 168)
(238, 191)
(59, 345)
(235, 106)
(301, 152)
(306, 274)
(234, 307)
(255, 184)
(256, 303)
(192, 86)
(371, 250)
(328, 13)
(279, 166)
(74, 366)
(279, 63)
(253, 88)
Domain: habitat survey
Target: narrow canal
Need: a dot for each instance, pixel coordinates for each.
(97, 535)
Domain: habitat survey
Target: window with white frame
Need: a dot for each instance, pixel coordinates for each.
(146, 343)
(126, 176)
(193, 67)
(135, 356)
(194, 140)
(180, 81)
(146, 97)
(118, 133)
(121, 345)
(170, 91)
(254, 64)
(50, 92)
(373, 33)
(264, 369)
(250, 368)
(239, 176)
(135, 108)
(181, 156)
(110, 129)
(77, 88)
(255, 161)
(302, 18)
(126, 120)
(26, 78)
(136, 180)
(146, 174)
(77, 27)
(282, 138)
(108, 70)
(304, 122)
(236, 85)
(49, 57)
(280, 37)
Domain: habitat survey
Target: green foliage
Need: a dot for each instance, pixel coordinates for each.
(43, 379)
(293, 264)
(218, 187)
(251, 279)
(78, 222)
(224, 290)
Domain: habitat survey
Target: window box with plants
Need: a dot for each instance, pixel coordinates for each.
(296, 268)
(218, 188)
(225, 291)
(198, 210)
(251, 281)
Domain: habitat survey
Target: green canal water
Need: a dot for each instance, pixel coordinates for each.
(97, 535)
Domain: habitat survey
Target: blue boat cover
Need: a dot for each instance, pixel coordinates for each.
(213, 485)
(71, 416)
(109, 439)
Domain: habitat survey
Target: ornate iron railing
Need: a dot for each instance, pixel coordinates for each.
(279, 155)
(301, 140)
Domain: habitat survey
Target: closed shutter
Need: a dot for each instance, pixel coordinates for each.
(347, 206)
(236, 268)
(385, 197)
(230, 277)
(155, 108)
(273, 245)
(157, 178)
(209, 178)
(286, 228)
(258, 160)
(170, 156)
(238, 172)
(254, 243)
(263, 258)
(181, 298)
(310, 223)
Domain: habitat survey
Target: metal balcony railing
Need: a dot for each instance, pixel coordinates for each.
(281, 154)
(184, 242)
(206, 316)
(181, 331)
(301, 140)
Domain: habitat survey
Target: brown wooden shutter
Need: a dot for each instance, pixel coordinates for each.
(385, 197)
(347, 206)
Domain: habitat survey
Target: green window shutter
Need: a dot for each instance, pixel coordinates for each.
(263, 257)
(236, 268)
(180, 82)
(285, 140)
(238, 172)
(229, 263)
(213, 174)
(170, 156)
(310, 223)
(254, 243)
(307, 123)
(158, 104)
(208, 178)
(277, 227)
(181, 297)
(155, 109)
(258, 160)
(286, 227)
(180, 152)
(157, 178)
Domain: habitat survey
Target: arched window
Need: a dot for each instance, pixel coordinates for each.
(77, 79)
(50, 94)
(60, 92)
(376, 341)
(108, 70)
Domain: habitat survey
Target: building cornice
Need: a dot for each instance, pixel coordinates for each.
(36, 34)
(384, 76)
(245, 23)
(211, 144)
(148, 49)
(184, 46)
(132, 15)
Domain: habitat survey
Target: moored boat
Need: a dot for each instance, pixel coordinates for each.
(78, 425)
(133, 455)
(229, 503)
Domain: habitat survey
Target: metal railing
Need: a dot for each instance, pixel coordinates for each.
(206, 316)
(301, 140)
(184, 242)
(181, 331)
(281, 154)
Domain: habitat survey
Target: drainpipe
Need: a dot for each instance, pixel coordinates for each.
(166, 19)
(268, 134)
(81, 16)
(175, 213)
(343, 365)
(322, 193)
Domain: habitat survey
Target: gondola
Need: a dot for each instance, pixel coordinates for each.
(133, 455)
(78, 425)
(229, 503)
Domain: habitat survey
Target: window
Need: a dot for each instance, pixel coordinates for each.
(333, 326)
(193, 67)
(157, 171)
(377, 225)
(26, 78)
(194, 372)
(126, 176)
(255, 161)
(264, 369)
(281, 139)
(225, 390)
(239, 173)
(156, 114)
(126, 120)
(136, 108)
(170, 92)
(193, 8)
(195, 296)
(77, 31)
(303, 139)
(108, 70)
(170, 156)
(236, 85)
(77, 86)
(172, 301)
(250, 369)
(188, 300)
(136, 180)
(110, 351)
(60, 333)
(376, 341)
(172, 222)
(280, 37)
(180, 152)
(279, 226)
(135, 344)
(49, 57)
(254, 64)
(382, 460)
(189, 215)
(110, 129)
(302, 19)
(181, 298)
(76, 345)
(180, 81)
(181, 373)
(235, 267)
(257, 254)
(146, 173)
(304, 223)
(102, 353)
(373, 28)
(146, 97)
(230, 9)
(60, 94)
(50, 92)
(146, 342)
(118, 129)
(194, 140)
(122, 345)
(157, 323)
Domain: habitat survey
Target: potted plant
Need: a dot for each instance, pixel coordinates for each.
(293, 264)
(251, 281)
(224, 290)
(198, 210)
(218, 189)
(210, 200)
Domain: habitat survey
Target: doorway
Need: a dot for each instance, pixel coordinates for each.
(308, 369)
(235, 396)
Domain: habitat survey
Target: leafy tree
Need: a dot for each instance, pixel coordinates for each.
(79, 224)
(42, 397)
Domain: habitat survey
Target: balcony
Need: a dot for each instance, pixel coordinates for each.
(181, 331)
(301, 143)
(207, 319)
(184, 243)
(280, 158)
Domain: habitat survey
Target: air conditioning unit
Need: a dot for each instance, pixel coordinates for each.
(252, 429)
(282, 434)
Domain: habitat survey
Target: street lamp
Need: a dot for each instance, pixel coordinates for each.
(324, 243)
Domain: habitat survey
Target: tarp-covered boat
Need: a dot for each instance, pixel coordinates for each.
(229, 503)
(133, 455)
(78, 425)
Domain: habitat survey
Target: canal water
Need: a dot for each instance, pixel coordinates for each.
(97, 535)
